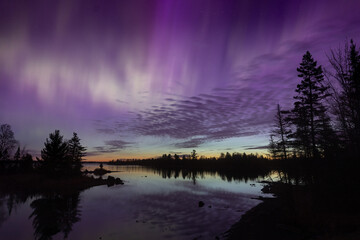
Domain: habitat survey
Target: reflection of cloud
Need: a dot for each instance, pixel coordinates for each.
(178, 214)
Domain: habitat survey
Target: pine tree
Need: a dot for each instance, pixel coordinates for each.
(76, 153)
(308, 114)
(55, 155)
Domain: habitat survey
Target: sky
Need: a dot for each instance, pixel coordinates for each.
(136, 79)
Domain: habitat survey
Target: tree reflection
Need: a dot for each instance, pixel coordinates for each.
(9, 202)
(53, 214)
(193, 174)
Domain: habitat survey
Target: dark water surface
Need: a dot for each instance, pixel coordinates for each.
(150, 205)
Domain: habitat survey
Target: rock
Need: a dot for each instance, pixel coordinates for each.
(266, 189)
(201, 203)
(110, 181)
(99, 171)
(118, 181)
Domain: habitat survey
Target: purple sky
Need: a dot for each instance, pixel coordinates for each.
(140, 78)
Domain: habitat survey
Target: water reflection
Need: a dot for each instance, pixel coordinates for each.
(51, 214)
(9, 203)
(194, 174)
(154, 203)
(54, 214)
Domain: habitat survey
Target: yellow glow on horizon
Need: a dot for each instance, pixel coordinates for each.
(143, 156)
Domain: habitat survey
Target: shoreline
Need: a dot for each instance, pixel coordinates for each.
(295, 214)
(33, 183)
(264, 221)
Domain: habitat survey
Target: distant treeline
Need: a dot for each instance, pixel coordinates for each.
(193, 161)
(236, 166)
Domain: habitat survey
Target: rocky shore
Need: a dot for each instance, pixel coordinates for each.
(299, 212)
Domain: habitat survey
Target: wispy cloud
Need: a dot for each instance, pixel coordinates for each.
(224, 113)
(111, 146)
(257, 147)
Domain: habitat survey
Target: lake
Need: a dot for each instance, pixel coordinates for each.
(152, 204)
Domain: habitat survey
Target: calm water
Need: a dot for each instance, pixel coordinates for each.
(150, 205)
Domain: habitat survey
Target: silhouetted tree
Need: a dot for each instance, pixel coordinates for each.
(26, 162)
(17, 154)
(273, 147)
(76, 153)
(309, 112)
(345, 85)
(193, 155)
(7, 141)
(55, 155)
(279, 138)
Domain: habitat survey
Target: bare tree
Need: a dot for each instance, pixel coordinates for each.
(7, 141)
(279, 136)
(344, 82)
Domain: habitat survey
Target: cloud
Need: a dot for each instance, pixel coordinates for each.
(111, 146)
(228, 112)
(193, 143)
(106, 130)
(257, 147)
(117, 144)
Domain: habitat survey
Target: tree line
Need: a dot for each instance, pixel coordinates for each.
(59, 157)
(324, 122)
(228, 161)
